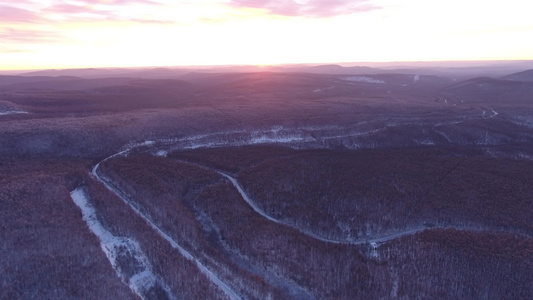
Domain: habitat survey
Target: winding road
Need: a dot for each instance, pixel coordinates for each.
(376, 240)
(212, 276)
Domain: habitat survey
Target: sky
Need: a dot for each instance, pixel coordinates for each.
(46, 34)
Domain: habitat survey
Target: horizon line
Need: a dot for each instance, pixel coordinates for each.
(308, 64)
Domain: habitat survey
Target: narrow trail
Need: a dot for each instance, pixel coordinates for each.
(213, 277)
(12, 112)
(377, 240)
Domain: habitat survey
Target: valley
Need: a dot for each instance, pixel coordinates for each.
(277, 184)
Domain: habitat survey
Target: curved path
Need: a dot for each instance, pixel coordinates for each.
(376, 240)
(213, 277)
(373, 241)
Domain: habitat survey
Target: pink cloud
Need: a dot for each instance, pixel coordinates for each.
(86, 10)
(310, 8)
(68, 9)
(90, 10)
(10, 14)
(84, 6)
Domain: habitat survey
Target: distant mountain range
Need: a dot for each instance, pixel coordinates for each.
(455, 71)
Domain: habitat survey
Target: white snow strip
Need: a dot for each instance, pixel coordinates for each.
(526, 121)
(247, 199)
(354, 134)
(449, 123)
(323, 89)
(161, 153)
(362, 79)
(273, 136)
(214, 278)
(12, 112)
(425, 142)
(89, 216)
(119, 248)
(525, 156)
(264, 139)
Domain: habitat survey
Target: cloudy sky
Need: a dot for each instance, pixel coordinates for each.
(37, 34)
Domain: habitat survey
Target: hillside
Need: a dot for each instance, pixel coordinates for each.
(272, 184)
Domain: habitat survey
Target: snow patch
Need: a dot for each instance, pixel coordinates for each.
(124, 254)
(275, 135)
(425, 142)
(522, 121)
(323, 89)
(161, 153)
(12, 112)
(266, 139)
(525, 156)
(362, 79)
(214, 278)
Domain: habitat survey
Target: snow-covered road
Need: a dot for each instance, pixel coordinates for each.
(212, 276)
(377, 240)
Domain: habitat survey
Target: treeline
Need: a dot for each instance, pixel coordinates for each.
(452, 264)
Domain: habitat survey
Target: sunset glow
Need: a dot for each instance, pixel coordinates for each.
(110, 33)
